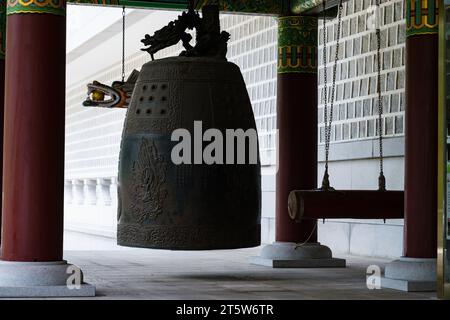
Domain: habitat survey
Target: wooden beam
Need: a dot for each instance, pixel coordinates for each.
(269, 7)
(345, 204)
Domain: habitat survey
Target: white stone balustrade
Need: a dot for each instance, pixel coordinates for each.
(68, 197)
(103, 191)
(113, 191)
(77, 192)
(91, 192)
(90, 195)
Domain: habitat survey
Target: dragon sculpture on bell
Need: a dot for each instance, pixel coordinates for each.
(210, 42)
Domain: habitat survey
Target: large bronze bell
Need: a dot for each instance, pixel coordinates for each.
(188, 206)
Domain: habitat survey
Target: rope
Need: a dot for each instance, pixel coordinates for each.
(309, 237)
(329, 119)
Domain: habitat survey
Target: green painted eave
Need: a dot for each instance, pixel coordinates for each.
(271, 7)
(138, 4)
(300, 6)
(315, 7)
(160, 4)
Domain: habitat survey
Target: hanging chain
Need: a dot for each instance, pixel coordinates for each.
(381, 178)
(328, 119)
(325, 78)
(123, 44)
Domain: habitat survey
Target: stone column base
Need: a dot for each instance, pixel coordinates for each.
(410, 274)
(292, 255)
(42, 279)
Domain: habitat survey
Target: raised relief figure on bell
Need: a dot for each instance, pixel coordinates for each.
(194, 205)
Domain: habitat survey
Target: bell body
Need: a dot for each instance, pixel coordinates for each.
(187, 206)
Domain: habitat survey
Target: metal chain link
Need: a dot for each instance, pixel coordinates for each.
(381, 178)
(329, 119)
(123, 44)
(325, 75)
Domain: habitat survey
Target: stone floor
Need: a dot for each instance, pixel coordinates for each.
(128, 273)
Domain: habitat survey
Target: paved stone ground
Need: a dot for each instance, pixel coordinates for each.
(122, 273)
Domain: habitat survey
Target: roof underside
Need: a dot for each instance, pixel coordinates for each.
(270, 7)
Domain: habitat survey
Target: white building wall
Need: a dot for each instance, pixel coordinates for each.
(93, 135)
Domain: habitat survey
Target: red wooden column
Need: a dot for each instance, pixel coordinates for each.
(2, 93)
(421, 114)
(33, 165)
(297, 147)
(416, 270)
(296, 121)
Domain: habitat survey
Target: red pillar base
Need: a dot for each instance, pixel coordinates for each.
(293, 255)
(411, 275)
(42, 279)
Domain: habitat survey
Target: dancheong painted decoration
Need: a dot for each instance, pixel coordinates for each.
(57, 7)
(297, 44)
(269, 7)
(422, 17)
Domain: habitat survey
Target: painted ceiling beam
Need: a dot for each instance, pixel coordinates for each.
(138, 4)
(312, 6)
(271, 7)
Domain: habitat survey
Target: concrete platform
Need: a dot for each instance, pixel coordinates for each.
(85, 290)
(410, 274)
(126, 273)
(225, 274)
(42, 279)
(292, 255)
(303, 263)
(408, 285)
